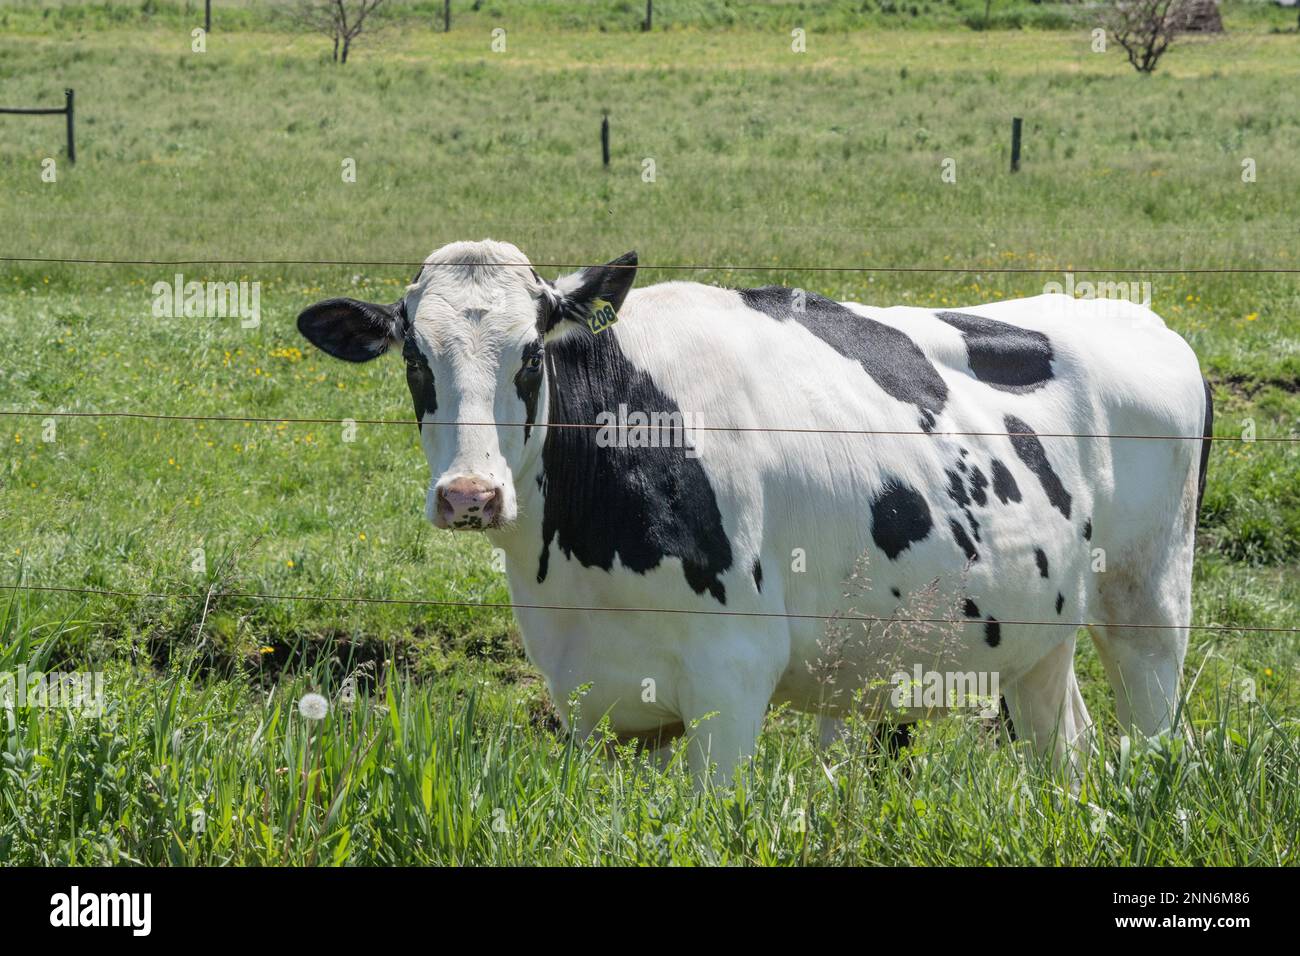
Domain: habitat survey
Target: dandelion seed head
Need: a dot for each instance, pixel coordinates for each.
(313, 706)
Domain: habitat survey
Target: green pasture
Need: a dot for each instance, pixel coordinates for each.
(769, 166)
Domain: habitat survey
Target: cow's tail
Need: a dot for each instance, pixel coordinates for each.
(1206, 442)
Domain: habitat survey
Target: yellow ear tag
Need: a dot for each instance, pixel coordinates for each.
(601, 317)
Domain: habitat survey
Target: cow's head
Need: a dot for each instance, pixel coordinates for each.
(472, 329)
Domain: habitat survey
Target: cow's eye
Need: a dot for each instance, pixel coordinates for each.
(533, 362)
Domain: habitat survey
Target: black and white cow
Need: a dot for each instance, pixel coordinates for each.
(1013, 523)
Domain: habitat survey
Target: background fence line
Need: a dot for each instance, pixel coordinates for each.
(685, 267)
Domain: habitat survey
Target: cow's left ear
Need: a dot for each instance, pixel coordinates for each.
(353, 330)
(572, 295)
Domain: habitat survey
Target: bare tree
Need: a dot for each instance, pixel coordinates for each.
(1146, 28)
(340, 20)
(315, 16)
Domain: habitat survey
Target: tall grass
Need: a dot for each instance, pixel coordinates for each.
(181, 772)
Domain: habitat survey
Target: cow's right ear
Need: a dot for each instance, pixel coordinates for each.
(353, 330)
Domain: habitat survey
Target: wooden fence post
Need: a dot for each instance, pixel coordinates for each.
(72, 140)
(1015, 143)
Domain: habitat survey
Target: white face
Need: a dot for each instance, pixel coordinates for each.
(474, 357)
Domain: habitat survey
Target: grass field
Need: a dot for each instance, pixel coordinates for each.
(768, 164)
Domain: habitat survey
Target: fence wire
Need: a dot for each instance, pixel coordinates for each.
(585, 609)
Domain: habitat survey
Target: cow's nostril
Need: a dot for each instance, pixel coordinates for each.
(467, 503)
(445, 509)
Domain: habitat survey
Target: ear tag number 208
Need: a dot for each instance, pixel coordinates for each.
(602, 316)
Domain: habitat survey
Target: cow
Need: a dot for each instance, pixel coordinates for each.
(1036, 464)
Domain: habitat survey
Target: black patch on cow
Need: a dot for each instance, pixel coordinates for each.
(895, 592)
(1006, 717)
(1087, 530)
(899, 517)
(757, 572)
(899, 738)
(1004, 356)
(1004, 484)
(992, 632)
(978, 484)
(1207, 434)
(957, 492)
(970, 608)
(963, 540)
(1040, 557)
(641, 505)
(889, 356)
(1060, 601)
(961, 466)
(419, 379)
(957, 489)
(1032, 453)
(528, 383)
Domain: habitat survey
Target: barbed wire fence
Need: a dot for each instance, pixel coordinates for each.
(138, 415)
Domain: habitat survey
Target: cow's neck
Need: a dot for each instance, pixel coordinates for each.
(586, 496)
(522, 541)
(527, 528)
(583, 377)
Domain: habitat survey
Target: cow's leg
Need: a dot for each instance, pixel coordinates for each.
(1143, 598)
(889, 739)
(722, 728)
(1144, 611)
(661, 758)
(892, 739)
(1048, 710)
(724, 698)
(1144, 666)
(829, 730)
